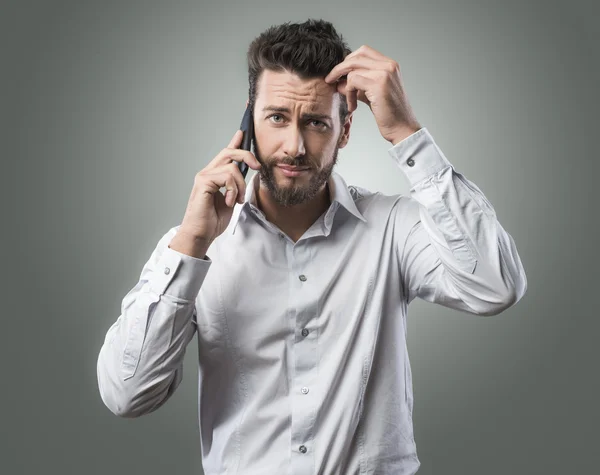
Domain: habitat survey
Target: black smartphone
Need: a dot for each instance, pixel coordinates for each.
(247, 127)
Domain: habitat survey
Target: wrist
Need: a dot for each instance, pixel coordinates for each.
(190, 244)
(404, 132)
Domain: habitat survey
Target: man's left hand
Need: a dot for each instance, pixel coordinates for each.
(375, 79)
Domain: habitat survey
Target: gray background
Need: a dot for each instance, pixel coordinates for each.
(110, 108)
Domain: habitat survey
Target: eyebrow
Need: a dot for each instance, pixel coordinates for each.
(310, 116)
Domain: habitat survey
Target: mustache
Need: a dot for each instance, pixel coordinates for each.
(303, 161)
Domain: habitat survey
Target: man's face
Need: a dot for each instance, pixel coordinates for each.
(296, 124)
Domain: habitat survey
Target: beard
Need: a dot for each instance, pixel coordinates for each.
(297, 193)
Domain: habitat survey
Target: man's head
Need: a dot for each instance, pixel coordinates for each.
(299, 119)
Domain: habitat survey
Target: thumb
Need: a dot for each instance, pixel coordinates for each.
(236, 140)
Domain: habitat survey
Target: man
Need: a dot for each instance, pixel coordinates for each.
(297, 285)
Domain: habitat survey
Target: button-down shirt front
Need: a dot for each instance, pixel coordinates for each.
(303, 363)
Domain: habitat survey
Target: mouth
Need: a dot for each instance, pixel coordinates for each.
(292, 171)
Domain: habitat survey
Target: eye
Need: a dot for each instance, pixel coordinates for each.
(319, 123)
(323, 124)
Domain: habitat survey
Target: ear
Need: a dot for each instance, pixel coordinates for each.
(247, 101)
(345, 134)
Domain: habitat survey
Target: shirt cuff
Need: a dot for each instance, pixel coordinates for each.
(179, 275)
(418, 156)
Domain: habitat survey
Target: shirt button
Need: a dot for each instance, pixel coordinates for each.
(302, 278)
(303, 449)
(305, 332)
(281, 236)
(167, 270)
(410, 162)
(304, 390)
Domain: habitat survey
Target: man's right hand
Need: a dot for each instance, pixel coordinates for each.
(208, 211)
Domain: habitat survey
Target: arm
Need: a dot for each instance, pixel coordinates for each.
(140, 364)
(456, 253)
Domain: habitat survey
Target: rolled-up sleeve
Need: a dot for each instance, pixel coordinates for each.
(140, 363)
(456, 253)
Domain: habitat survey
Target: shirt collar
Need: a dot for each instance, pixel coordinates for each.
(338, 189)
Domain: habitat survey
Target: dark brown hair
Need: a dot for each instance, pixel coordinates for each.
(310, 50)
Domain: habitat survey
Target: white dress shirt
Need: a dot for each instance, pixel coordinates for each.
(303, 363)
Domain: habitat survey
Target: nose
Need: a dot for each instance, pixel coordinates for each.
(293, 145)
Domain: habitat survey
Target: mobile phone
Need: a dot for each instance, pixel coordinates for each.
(247, 127)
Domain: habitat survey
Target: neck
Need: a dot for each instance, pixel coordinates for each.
(293, 220)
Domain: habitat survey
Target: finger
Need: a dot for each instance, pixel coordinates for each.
(354, 64)
(227, 155)
(351, 99)
(350, 92)
(237, 155)
(240, 183)
(366, 50)
(236, 140)
(230, 181)
(360, 95)
(231, 192)
(356, 84)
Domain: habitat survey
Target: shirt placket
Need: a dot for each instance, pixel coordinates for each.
(303, 315)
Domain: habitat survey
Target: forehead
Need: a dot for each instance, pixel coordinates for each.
(285, 88)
